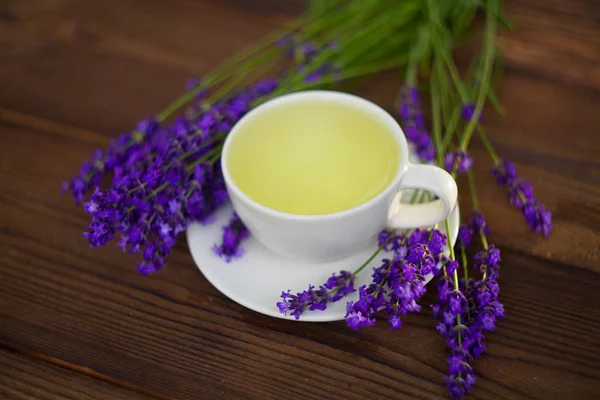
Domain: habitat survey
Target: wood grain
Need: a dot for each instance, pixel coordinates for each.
(78, 322)
(25, 378)
(69, 60)
(556, 39)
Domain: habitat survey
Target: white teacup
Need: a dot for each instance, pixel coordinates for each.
(322, 238)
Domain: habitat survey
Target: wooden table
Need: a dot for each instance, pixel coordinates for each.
(79, 323)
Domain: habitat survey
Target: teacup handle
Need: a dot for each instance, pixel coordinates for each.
(432, 179)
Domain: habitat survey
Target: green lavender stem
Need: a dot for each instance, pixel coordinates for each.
(455, 77)
(418, 52)
(438, 143)
(488, 145)
(231, 66)
(473, 191)
(471, 180)
(325, 18)
(361, 43)
(373, 255)
(349, 74)
(436, 115)
(488, 52)
(463, 256)
(256, 47)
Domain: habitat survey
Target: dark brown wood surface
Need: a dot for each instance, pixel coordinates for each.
(77, 323)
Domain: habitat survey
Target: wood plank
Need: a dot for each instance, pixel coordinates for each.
(175, 335)
(65, 60)
(555, 146)
(27, 378)
(69, 60)
(556, 39)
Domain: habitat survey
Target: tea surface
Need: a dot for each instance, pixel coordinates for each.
(313, 158)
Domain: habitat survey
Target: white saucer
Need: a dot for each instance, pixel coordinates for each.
(257, 279)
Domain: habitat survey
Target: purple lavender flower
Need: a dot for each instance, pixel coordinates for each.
(307, 51)
(262, 88)
(395, 242)
(478, 222)
(356, 319)
(384, 239)
(476, 225)
(398, 283)
(465, 234)
(464, 313)
(488, 260)
(485, 308)
(538, 218)
(304, 53)
(436, 241)
(192, 84)
(521, 196)
(505, 173)
(288, 43)
(451, 312)
(421, 257)
(458, 160)
(520, 193)
(414, 123)
(234, 234)
(459, 383)
(163, 179)
(451, 266)
(316, 75)
(336, 287)
(333, 44)
(468, 112)
(285, 40)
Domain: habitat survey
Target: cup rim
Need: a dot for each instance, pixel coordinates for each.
(332, 95)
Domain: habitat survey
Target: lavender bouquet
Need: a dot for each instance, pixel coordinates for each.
(165, 173)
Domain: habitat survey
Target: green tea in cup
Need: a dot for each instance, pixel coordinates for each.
(313, 157)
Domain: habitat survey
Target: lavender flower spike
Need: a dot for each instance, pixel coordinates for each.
(164, 177)
(398, 283)
(233, 235)
(336, 287)
(458, 160)
(451, 311)
(414, 123)
(467, 311)
(468, 112)
(505, 173)
(521, 196)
